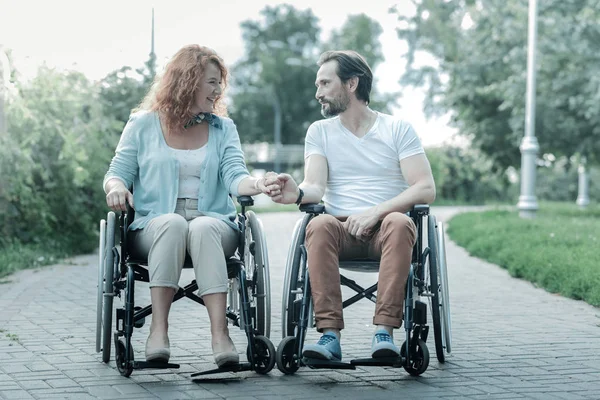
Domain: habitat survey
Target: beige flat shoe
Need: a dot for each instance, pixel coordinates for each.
(158, 354)
(223, 358)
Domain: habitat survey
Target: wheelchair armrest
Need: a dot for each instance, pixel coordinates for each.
(245, 201)
(419, 210)
(312, 208)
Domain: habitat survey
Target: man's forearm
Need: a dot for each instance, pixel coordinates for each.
(312, 193)
(419, 193)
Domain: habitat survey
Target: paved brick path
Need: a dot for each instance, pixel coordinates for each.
(511, 341)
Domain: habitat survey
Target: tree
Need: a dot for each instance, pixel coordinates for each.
(56, 151)
(276, 75)
(480, 72)
(122, 90)
(361, 34)
(275, 79)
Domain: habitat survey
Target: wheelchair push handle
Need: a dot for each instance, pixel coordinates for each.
(245, 201)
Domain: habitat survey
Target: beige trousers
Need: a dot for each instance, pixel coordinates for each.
(167, 238)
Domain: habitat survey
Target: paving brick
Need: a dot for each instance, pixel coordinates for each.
(511, 341)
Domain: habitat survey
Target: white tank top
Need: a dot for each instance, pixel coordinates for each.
(190, 162)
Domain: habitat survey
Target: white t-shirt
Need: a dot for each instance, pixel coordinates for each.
(363, 172)
(190, 162)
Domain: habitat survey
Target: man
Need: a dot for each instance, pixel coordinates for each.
(370, 170)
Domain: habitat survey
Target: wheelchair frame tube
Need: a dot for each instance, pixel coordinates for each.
(129, 310)
(305, 307)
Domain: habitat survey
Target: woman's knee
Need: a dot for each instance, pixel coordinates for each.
(169, 226)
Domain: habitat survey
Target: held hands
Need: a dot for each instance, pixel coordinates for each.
(362, 225)
(269, 184)
(118, 196)
(288, 193)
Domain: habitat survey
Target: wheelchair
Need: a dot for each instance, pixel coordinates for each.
(248, 298)
(427, 278)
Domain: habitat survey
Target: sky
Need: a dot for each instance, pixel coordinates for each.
(97, 37)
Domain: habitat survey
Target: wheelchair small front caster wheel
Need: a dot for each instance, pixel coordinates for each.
(287, 361)
(419, 358)
(124, 364)
(264, 354)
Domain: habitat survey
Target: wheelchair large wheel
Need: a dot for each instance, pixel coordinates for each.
(292, 287)
(100, 285)
(107, 309)
(444, 288)
(438, 306)
(257, 260)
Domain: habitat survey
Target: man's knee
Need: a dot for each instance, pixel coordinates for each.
(399, 224)
(320, 225)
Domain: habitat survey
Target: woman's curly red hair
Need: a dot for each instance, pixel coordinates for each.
(172, 93)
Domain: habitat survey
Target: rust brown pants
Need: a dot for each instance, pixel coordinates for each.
(328, 242)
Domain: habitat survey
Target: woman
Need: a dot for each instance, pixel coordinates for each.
(183, 158)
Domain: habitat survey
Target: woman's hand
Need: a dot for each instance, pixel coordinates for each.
(270, 184)
(118, 196)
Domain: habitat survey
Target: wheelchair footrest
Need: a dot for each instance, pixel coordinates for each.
(153, 364)
(315, 363)
(227, 368)
(379, 362)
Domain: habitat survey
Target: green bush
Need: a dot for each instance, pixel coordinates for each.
(52, 160)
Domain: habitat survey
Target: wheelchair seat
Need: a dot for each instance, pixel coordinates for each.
(360, 265)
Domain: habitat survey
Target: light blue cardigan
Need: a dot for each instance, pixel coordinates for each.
(143, 160)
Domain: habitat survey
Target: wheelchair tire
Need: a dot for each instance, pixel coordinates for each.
(100, 286)
(434, 277)
(264, 354)
(419, 360)
(261, 269)
(107, 310)
(444, 289)
(290, 282)
(287, 362)
(124, 364)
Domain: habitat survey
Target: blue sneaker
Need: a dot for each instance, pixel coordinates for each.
(383, 345)
(327, 348)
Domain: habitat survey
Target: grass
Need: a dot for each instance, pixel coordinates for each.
(557, 250)
(16, 256)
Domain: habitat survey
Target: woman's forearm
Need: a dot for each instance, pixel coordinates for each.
(249, 186)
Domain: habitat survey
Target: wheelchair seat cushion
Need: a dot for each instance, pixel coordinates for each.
(360, 265)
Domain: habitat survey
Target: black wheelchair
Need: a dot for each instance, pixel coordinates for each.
(428, 278)
(248, 304)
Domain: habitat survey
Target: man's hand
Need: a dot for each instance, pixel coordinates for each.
(362, 225)
(289, 190)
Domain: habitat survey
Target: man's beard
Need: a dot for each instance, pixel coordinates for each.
(336, 106)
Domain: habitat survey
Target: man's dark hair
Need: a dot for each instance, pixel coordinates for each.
(349, 65)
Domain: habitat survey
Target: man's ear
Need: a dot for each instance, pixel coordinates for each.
(352, 83)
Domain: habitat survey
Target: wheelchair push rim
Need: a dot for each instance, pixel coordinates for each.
(260, 267)
(100, 285)
(108, 272)
(444, 289)
(291, 274)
